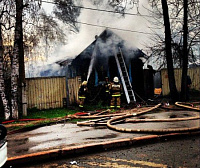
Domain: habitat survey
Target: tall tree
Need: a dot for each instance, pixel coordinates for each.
(184, 39)
(5, 8)
(2, 82)
(17, 51)
(38, 26)
(185, 52)
(176, 23)
(170, 68)
(18, 47)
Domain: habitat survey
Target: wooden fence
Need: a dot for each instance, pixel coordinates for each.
(49, 92)
(45, 92)
(194, 74)
(73, 87)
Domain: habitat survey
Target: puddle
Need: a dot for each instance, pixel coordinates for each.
(173, 116)
(17, 142)
(84, 130)
(108, 136)
(22, 150)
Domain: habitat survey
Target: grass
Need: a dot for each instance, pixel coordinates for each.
(50, 113)
(34, 113)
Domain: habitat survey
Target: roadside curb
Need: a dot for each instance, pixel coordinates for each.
(73, 151)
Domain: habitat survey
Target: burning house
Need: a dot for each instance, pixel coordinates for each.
(98, 61)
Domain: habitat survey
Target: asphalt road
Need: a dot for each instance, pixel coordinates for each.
(183, 152)
(67, 134)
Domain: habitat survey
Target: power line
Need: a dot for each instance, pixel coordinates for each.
(101, 10)
(114, 28)
(109, 11)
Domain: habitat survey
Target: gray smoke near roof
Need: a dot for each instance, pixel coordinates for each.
(48, 70)
(107, 44)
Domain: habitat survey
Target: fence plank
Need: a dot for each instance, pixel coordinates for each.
(73, 87)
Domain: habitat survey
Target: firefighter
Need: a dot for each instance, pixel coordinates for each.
(82, 94)
(106, 91)
(115, 91)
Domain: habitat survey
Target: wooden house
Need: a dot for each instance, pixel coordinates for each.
(97, 61)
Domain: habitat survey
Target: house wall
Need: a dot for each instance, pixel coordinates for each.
(106, 66)
(45, 92)
(137, 74)
(194, 74)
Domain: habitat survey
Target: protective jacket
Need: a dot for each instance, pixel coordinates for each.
(107, 87)
(115, 91)
(82, 94)
(82, 90)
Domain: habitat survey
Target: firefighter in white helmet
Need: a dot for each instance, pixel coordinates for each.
(82, 94)
(115, 91)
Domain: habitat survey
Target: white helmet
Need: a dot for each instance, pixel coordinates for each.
(116, 79)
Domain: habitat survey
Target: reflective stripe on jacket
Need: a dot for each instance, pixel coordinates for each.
(115, 89)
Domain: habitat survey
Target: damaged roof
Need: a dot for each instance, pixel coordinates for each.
(105, 45)
(108, 43)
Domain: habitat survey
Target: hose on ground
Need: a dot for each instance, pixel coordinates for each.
(171, 130)
(188, 106)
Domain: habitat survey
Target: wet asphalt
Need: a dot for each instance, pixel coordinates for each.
(68, 134)
(181, 152)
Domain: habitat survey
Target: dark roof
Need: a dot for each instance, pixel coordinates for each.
(106, 44)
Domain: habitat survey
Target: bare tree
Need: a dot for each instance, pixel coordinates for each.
(31, 26)
(193, 5)
(172, 85)
(166, 49)
(67, 12)
(185, 30)
(185, 52)
(4, 23)
(2, 82)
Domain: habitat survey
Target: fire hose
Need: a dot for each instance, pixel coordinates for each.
(33, 119)
(106, 116)
(113, 120)
(187, 105)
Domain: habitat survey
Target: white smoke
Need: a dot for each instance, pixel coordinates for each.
(78, 42)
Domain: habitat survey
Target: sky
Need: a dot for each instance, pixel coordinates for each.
(77, 42)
